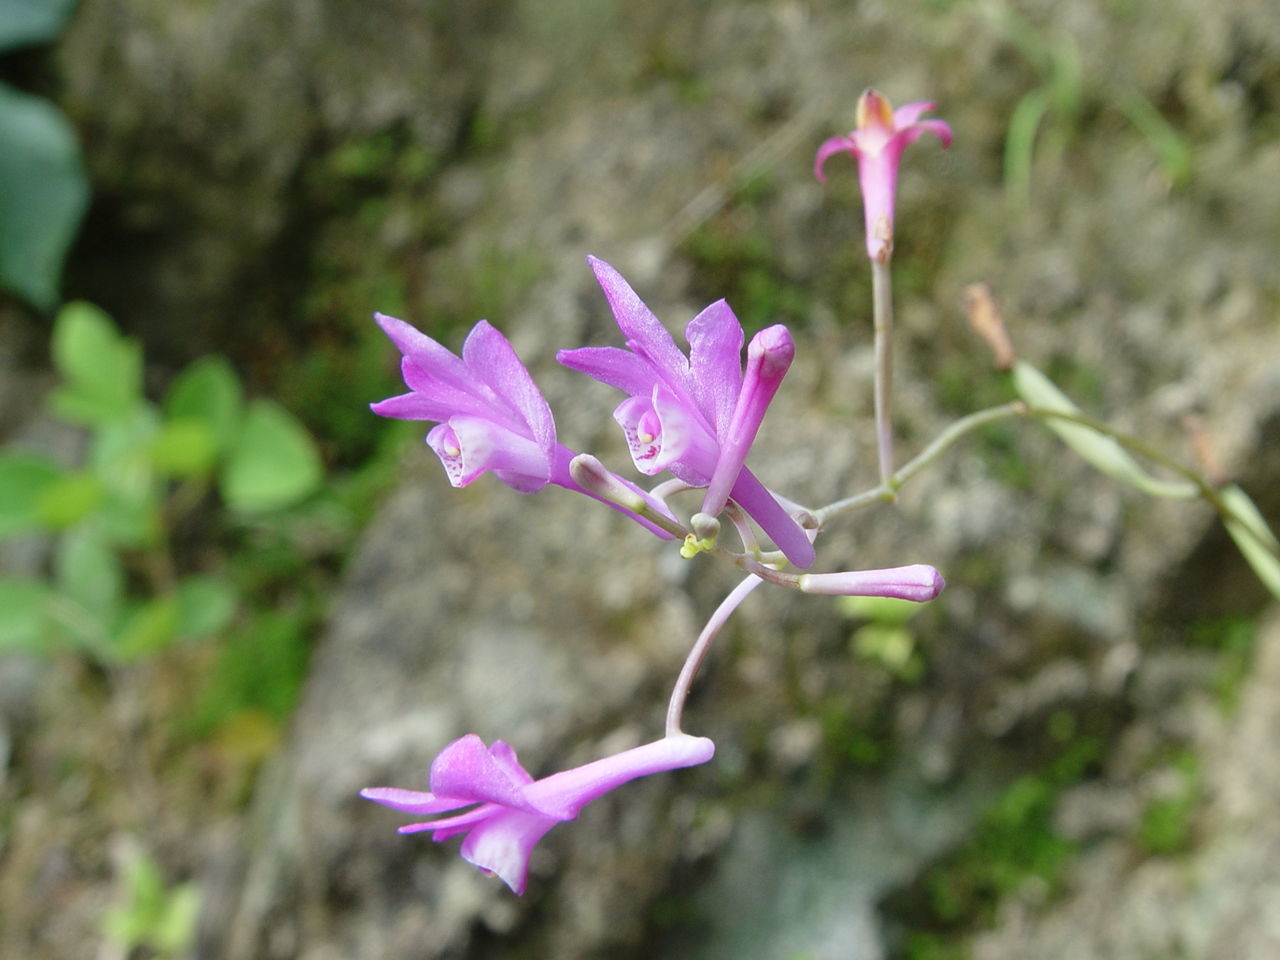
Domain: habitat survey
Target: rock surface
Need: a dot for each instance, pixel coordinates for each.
(675, 142)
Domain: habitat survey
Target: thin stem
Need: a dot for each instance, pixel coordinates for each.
(888, 489)
(675, 709)
(882, 307)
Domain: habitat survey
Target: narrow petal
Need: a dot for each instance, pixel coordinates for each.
(645, 332)
(829, 147)
(570, 791)
(613, 366)
(940, 128)
(715, 362)
(475, 399)
(909, 113)
(412, 406)
(918, 582)
(411, 801)
(465, 770)
(789, 536)
(490, 357)
(425, 352)
(768, 359)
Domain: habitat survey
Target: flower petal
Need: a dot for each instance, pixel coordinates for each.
(490, 357)
(613, 366)
(411, 801)
(425, 352)
(909, 113)
(503, 843)
(715, 362)
(465, 770)
(644, 332)
(939, 128)
(468, 446)
(789, 536)
(829, 147)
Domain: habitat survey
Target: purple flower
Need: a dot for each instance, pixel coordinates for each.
(492, 417)
(877, 143)
(513, 811)
(695, 416)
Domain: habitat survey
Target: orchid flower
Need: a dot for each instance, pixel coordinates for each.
(510, 811)
(695, 416)
(881, 135)
(491, 415)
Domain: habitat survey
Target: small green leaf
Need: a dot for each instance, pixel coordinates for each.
(23, 615)
(1097, 449)
(885, 610)
(1257, 542)
(101, 370)
(205, 606)
(68, 500)
(274, 463)
(88, 572)
(184, 448)
(43, 194)
(23, 479)
(149, 629)
(26, 23)
(208, 391)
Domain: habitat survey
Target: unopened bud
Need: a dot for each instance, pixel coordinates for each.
(705, 526)
(984, 317)
(595, 478)
(918, 582)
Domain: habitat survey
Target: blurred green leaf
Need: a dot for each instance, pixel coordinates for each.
(205, 606)
(43, 194)
(101, 370)
(274, 463)
(121, 458)
(1170, 148)
(886, 610)
(26, 23)
(208, 391)
(184, 448)
(68, 500)
(87, 571)
(23, 614)
(1020, 144)
(1257, 542)
(1099, 450)
(151, 627)
(23, 478)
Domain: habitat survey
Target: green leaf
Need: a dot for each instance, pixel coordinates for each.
(1254, 537)
(23, 615)
(274, 463)
(87, 571)
(43, 195)
(101, 370)
(68, 500)
(121, 458)
(1099, 450)
(208, 391)
(23, 479)
(184, 448)
(26, 23)
(149, 629)
(205, 606)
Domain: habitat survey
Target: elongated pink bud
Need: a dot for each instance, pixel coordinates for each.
(769, 356)
(918, 582)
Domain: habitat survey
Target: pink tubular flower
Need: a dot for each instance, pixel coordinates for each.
(877, 143)
(491, 415)
(513, 811)
(695, 416)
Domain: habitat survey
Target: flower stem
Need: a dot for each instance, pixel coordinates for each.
(675, 709)
(882, 312)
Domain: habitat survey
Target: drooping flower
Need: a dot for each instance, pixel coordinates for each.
(695, 416)
(510, 810)
(491, 416)
(877, 143)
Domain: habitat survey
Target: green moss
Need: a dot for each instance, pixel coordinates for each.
(1167, 822)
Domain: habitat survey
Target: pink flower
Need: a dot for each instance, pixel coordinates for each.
(695, 416)
(510, 811)
(492, 417)
(877, 143)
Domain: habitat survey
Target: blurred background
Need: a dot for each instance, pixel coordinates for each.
(230, 596)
